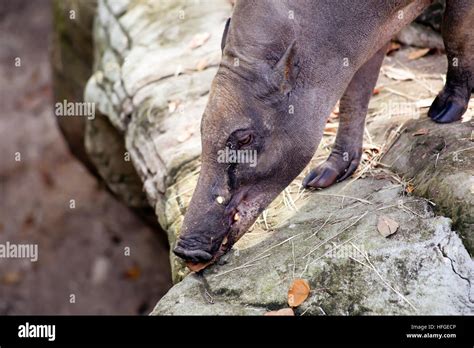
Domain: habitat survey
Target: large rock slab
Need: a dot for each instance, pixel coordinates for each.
(333, 242)
(439, 161)
(154, 63)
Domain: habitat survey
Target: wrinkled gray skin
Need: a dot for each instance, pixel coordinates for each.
(285, 65)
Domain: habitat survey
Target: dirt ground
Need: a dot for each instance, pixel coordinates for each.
(83, 266)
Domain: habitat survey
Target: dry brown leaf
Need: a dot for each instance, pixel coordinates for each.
(281, 312)
(394, 46)
(421, 131)
(386, 226)
(298, 293)
(418, 53)
(199, 39)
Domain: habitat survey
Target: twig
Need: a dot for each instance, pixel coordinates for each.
(420, 82)
(401, 94)
(337, 234)
(327, 252)
(392, 140)
(404, 207)
(319, 229)
(277, 245)
(264, 216)
(290, 199)
(458, 151)
(294, 259)
(344, 196)
(250, 263)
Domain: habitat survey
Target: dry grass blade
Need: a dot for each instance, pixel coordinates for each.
(247, 264)
(294, 259)
(320, 228)
(344, 196)
(416, 54)
(328, 252)
(336, 235)
(370, 265)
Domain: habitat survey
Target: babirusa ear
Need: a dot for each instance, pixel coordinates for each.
(224, 36)
(287, 69)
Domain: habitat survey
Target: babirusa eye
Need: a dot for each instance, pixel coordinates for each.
(246, 140)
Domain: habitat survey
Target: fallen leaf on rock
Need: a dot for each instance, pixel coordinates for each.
(199, 40)
(418, 53)
(281, 312)
(386, 226)
(298, 293)
(398, 74)
(421, 131)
